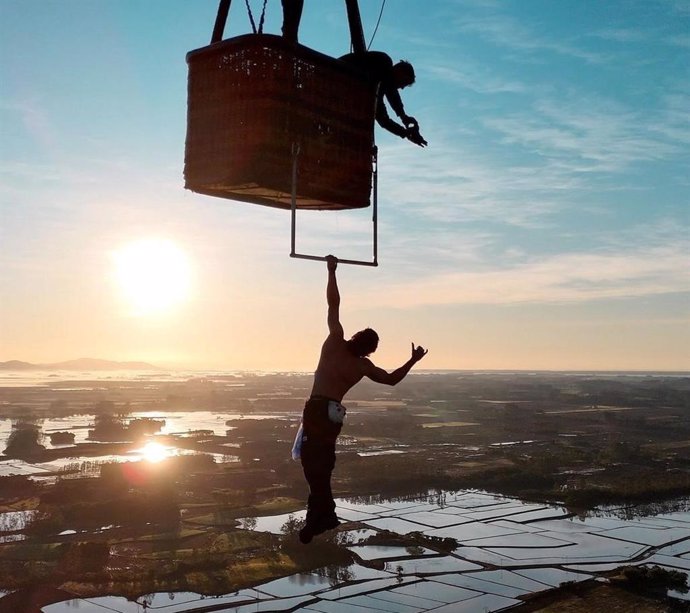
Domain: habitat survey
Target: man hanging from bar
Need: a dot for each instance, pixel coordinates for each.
(342, 364)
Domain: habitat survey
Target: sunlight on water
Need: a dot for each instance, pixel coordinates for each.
(154, 452)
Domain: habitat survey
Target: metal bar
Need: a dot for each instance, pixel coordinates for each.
(293, 218)
(221, 18)
(375, 197)
(355, 22)
(293, 198)
(322, 258)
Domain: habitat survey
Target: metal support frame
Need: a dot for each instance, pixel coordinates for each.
(221, 18)
(354, 21)
(358, 46)
(374, 219)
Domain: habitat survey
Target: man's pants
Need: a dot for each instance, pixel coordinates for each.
(318, 462)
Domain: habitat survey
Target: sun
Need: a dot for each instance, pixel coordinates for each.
(153, 275)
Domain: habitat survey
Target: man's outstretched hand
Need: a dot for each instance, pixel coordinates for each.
(414, 136)
(410, 122)
(418, 352)
(331, 262)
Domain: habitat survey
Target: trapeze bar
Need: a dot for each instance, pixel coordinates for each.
(293, 214)
(322, 258)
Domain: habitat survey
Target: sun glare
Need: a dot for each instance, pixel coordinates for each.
(153, 275)
(154, 452)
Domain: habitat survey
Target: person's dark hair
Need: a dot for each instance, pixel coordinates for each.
(407, 70)
(363, 343)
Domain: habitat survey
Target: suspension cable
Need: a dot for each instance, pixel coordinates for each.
(383, 3)
(263, 15)
(251, 16)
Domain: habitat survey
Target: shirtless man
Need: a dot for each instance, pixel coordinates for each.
(342, 365)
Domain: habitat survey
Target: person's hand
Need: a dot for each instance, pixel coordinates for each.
(331, 262)
(414, 136)
(410, 122)
(418, 352)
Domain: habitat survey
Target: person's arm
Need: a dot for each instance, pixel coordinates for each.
(410, 130)
(379, 375)
(393, 96)
(333, 299)
(383, 118)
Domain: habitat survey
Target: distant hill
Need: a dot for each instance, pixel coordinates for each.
(80, 364)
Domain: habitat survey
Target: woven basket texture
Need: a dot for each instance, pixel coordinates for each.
(252, 98)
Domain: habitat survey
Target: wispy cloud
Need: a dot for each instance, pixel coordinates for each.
(602, 132)
(14, 170)
(29, 113)
(631, 36)
(622, 35)
(449, 183)
(674, 116)
(476, 79)
(629, 271)
(681, 7)
(680, 40)
(504, 31)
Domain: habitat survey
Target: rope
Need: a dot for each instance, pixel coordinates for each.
(261, 20)
(377, 24)
(251, 17)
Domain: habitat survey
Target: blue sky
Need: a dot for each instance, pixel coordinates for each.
(545, 226)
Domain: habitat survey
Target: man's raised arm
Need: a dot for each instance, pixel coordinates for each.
(333, 298)
(393, 378)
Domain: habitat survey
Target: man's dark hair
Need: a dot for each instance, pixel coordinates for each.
(407, 70)
(363, 343)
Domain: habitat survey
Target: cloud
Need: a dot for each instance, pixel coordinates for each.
(604, 133)
(34, 172)
(627, 36)
(476, 79)
(453, 183)
(680, 40)
(629, 271)
(504, 31)
(623, 35)
(31, 115)
(674, 116)
(677, 6)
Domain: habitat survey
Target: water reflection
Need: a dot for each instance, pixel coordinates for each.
(336, 574)
(154, 452)
(531, 552)
(650, 509)
(81, 437)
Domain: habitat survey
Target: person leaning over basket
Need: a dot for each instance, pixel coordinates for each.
(389, 78)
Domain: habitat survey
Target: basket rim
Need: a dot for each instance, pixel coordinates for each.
(274, 41)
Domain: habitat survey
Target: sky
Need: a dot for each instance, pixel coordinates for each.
(545, 227)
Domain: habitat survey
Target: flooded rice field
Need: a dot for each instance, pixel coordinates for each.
(455, 547)
(507, 549)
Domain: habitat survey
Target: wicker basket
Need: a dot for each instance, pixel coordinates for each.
(251, 97)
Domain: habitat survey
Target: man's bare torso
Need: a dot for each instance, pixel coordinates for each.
(338, 369)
